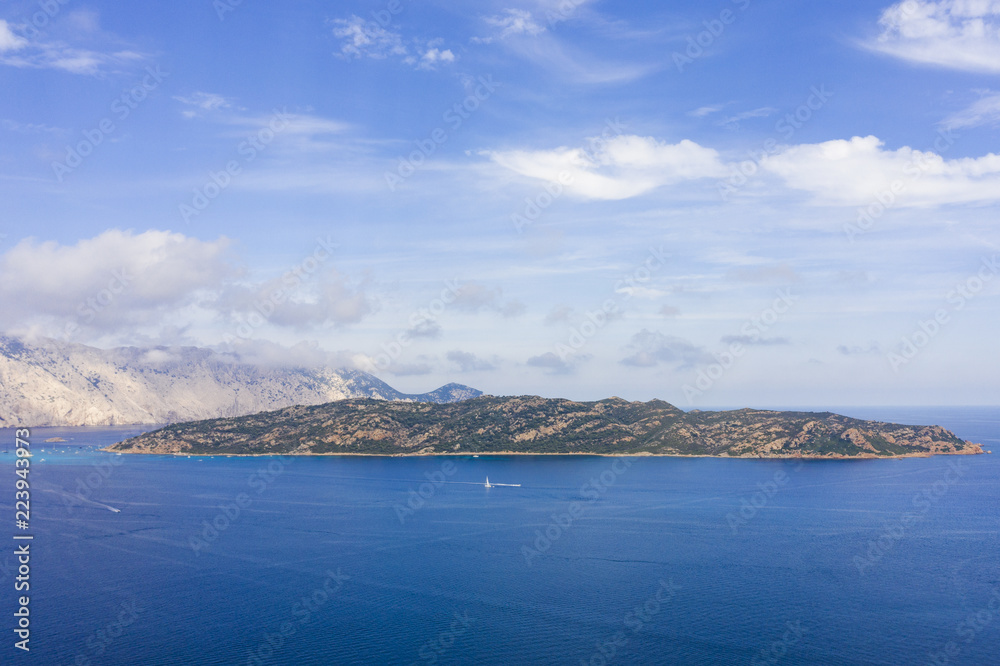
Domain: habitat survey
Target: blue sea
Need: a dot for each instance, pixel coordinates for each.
(364, 560)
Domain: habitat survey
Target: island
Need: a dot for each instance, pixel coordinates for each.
(535, 425)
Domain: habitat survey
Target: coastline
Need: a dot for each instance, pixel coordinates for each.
(646, 454)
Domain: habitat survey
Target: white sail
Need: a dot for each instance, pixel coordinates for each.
(507, 485)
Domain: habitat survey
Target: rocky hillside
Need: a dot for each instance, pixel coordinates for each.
(60, 383)
(539, 425)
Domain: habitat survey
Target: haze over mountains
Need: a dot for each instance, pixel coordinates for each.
(50, 382)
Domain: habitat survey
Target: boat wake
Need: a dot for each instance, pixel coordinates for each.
(79, 498)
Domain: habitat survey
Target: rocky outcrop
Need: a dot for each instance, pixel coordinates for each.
(530, 424)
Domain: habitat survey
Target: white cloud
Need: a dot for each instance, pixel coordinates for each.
(555, 365)
(960, 34)
(559, 314)
(431, 57)
(568, 63)
(703, 111)
(474, 297)
(668, 311)
(363, 38)
(367, 39)
(754, 340)
(856, 350)
(774, 273)
(839, 172)
(469, 362)
(648, 349)
(113, 278)
(302, 354)
(309, 153)
(202, 102)
(30, 128)
(409, 369)
(68, 59)
(119, 282)
(8, 40)
(625, 166)
(522, 33)
(856, 171)
(733, 122)
(425, 328)
(326, 299)
(985, 111)
(514, 22)
(18, 51)
(297, 124)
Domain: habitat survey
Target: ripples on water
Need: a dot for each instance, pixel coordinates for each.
(451, 582)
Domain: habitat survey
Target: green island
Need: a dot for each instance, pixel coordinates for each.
(535, 425)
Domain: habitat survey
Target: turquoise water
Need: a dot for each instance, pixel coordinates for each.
(591, 560)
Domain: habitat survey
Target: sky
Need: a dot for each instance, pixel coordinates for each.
(741, 203)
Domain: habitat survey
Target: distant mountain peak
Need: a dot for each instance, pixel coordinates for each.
(52, 382)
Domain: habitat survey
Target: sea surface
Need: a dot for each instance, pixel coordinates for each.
(341, 560)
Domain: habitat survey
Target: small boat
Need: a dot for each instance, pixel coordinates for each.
(506, 485)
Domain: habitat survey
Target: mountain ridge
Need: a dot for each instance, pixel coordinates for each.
(532, 424)
(59, 383)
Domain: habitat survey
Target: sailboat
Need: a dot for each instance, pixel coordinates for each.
(507, 485)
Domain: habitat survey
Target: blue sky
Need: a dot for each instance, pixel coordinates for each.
(740, 203)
